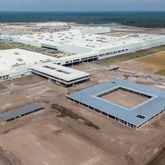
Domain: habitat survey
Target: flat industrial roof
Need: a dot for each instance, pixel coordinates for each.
(78, 41)
(60, 72)
(12, 58)
(148, 109)
(12, 114)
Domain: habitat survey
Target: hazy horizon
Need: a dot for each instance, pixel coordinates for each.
(82, 5)
(83, 11)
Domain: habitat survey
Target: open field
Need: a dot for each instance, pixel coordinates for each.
(156, 61)
(132, 55)
(161, 72)
(4, 46)
(149, 64)
(65, 133)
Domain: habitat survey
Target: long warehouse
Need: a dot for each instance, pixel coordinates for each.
(22, 111)
(60, 74)
(80, 44)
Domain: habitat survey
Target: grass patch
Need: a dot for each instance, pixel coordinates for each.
(3, 46)
(26, 47)
(18, 45)
(161, 72)
(125, 57)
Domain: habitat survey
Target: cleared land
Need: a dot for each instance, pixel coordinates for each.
(132, 55)
(150, 64)
(159, 159)
(156, 61)
(64, 133)
(67, 134)
(125, 98)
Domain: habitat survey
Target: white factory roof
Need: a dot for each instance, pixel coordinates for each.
(77, 42)
(60, 72)
(12, 58)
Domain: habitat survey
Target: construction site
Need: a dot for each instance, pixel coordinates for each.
(39, 125)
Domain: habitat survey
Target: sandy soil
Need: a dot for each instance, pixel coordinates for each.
(125, 98)
(67, 134)
(72, 135)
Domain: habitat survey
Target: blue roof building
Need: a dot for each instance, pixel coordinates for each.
(134, 117)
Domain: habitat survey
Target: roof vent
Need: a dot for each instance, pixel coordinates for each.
(141, 116)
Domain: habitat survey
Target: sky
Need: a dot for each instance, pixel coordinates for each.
(82, 5)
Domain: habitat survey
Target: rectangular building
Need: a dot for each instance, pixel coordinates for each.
(22, 111)
(62, 75)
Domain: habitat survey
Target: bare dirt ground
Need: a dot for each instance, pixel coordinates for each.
(65, 133)
(122, 30)
(2, 87)
(119, 30)
(159, 159)
(125, 98)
